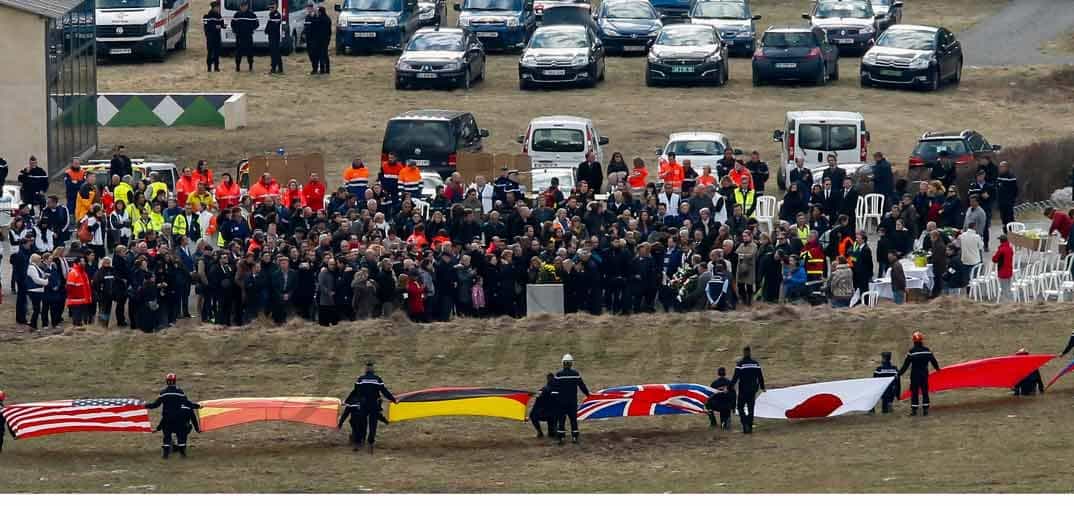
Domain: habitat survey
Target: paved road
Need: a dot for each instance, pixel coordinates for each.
(1013, 35)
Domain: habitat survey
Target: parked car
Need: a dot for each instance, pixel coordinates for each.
(889, 12)
(441, 56)
(539, 6)
(562, 54)
(814, 135)
(912, 55)
(561, 141)
(499, 24)
(569, 14)
(851, 25)
(687, 54)
(732, 18)
(627, 26)
(965, 147)
(673, 11)
(795, 54)
(701, 148)
(376, 25)
(432, 138)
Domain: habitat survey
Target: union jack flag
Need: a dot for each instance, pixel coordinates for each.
(646, 400)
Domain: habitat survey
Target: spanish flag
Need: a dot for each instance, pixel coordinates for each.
(461, 401)
(220, 413)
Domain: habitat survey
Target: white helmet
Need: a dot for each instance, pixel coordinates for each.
(568, 358)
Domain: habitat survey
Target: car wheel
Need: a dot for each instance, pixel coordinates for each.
(181, 45)
(958, 73)
(466, 80)
(481, 76)
(726, 74)
(399, 84)
(522, 85)
(822, 77)
(835, 73)
(866, 82)
(602, 68)
(934, 78)
(649, 80)
(757, 81)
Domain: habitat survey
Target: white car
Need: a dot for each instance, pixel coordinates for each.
(148, 28)
(701, 148)
(561, 142)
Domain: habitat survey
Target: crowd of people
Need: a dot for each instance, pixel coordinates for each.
(133, 251)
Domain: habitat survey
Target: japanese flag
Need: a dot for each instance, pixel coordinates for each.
(819, 400)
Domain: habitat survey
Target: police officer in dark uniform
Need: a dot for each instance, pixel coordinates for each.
(887, 370)
(323, 28)
(917, 361)
(543, 409)
(722, 402)
(308, 31)
(350, 413)
(367, 391)
(750, 379)
(565, 386)
(273, 31)
(244, 24)
(212, 23)
(174, 419)
(1031, 384)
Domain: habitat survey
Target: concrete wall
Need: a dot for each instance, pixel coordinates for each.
(22, 88)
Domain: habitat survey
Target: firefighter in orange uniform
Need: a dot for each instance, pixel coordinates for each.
(356, 178)
(671, 172)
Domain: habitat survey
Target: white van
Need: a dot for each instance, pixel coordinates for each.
(814, 135)
(292, 11)
(148, 28)
(561, 141)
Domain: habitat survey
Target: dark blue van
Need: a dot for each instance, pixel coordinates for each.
(499, 24)
(376, 25)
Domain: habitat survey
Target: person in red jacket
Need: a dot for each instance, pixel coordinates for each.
(1004, 260)
(314, 191)
(186, 185)
(415, 298)
(264, 188)
(203, 174)
(79, 294)
(638, 177)
(671, 172)
(1061, 222)
(227, 193)
(293, 193)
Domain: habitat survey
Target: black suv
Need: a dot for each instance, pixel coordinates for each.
(795, 53)
(912, 55)
(432, 138)
(965, 148)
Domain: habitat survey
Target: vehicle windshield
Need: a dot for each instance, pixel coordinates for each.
(255, 5)
(930, 150)
(844, 10)
(404, 137)
(629, 10)
(918, 40)
(695, 148)
(686, 38)
(720, 10)
(372, 5)
(788, 39)
(559, 40)
(827, 137)
(882, 3)
(127, 4)
(492, 5)
(558, 140)
(437, 41)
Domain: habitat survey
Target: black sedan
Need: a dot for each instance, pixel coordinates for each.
(912, 55)
(687, 54)
(802, 54)
(444, 56)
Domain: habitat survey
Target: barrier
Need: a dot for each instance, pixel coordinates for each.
(213, 110)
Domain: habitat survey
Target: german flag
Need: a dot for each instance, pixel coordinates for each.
(461, 401)
(220, 413)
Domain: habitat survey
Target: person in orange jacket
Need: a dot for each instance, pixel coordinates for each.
(203, 174)
(741, 174)
(227, 193)
(356, 178)
(410, 180)
(671, 172)
(314, 191)
(186, 185)
(706, 178)
(84, 199)
(293, 193)
(639, 175)
(79, 294)
(264, 188)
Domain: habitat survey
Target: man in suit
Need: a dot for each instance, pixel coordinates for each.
(848, 200)
(831, 201)
(283, 283)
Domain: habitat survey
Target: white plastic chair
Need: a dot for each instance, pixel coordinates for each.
(976, 283)
(874, 209)
(423, 207)
(1016, 227)
(859, 213)
(766, 211)
(870, 298)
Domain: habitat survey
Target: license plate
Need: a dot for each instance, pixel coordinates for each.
(844, 41)
(421, 163)
(365, 35)
(633, 48)
(682, 69)
(786, 65)
(555, 72)
(488, 35)
(120, 50)
(894, 73)
(426, 75)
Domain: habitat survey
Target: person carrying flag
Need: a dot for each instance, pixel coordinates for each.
(1031, 384)
(543, 409)
(722, 402)
(367, 391)
(917, 361)
(3, 423)
(750, 379)
(565, 386)
(887, 370)
(174, 418)
(1070, 345)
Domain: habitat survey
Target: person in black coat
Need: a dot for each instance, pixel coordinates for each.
(308, 29)
(758, 172)
(830, 199)
(33, 181)
(591, 172)
(883, 179)
(323, 29)
(565, 387)
(173, 418)
(1030, 385)
(543, 409)
(368, 389)
(616, 272)
(20, 261)
(917, 361)
(848, 201)
(212, 23)
(887, 370)
(244, 24)
(750, 379)
(722, 402)
(273, 32)
(222, 281)
(283, 282)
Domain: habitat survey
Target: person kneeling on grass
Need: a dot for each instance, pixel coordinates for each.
(543, 410)
(722, 402)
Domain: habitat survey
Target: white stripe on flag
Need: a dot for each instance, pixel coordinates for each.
(114, 425)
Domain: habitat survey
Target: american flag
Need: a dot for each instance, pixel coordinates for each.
(38, 419)
(646, 400)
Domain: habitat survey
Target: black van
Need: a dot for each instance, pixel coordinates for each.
(432, 138)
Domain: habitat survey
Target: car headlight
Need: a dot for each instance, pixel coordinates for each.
(867, 30)
(512, 22)
(450, 66)
(869, 58)
(343, 21)
(149, 26)
(714, 57)
(391, 22)
(653, 57)
(402, 65)
(529, 60)
(610, 30)
(922, 62)
(464, 21)
(426, 14)
(580, 60)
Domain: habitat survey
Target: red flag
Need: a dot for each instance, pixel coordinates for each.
(995, 372)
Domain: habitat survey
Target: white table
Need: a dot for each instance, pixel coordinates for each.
(916, 278)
